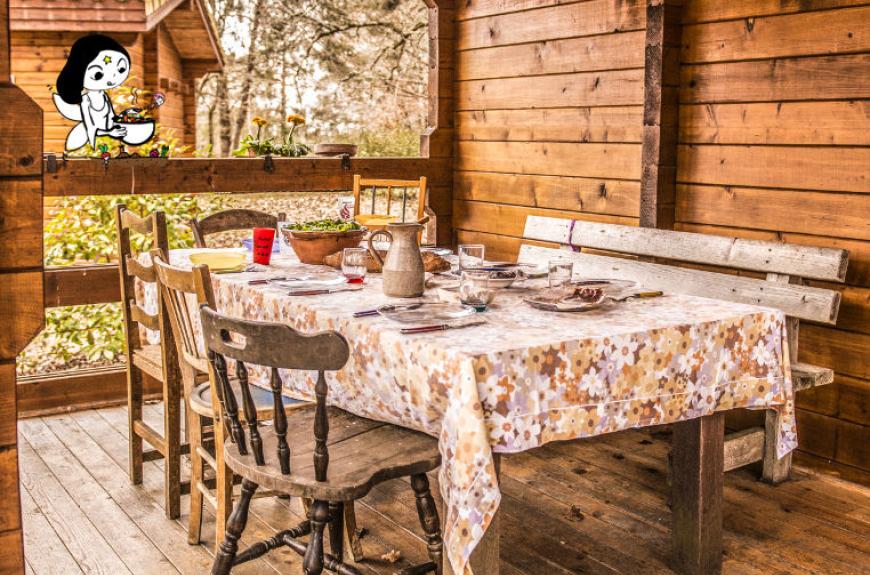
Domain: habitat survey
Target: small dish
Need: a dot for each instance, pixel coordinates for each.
(421, 312)
(608, 286)
(569, 299)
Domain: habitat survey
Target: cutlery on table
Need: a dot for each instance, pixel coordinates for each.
(323, 291)
(642, 294)
(440, 327)
(376, 311)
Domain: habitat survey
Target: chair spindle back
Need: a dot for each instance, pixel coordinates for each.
(276, 346)
(131, 269)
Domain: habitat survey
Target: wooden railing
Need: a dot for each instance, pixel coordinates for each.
(94, 284)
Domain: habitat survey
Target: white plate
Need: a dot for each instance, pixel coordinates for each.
(425, 312)
(563, 306)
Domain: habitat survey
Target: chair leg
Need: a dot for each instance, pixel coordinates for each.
(226, 552)
(336, 529)
(312, 564)
(134, 413)
(224, 485)
(172, 439)
(197, 475)
(353, 538)
(428, 514)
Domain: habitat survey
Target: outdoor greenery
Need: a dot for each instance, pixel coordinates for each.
(356, 68)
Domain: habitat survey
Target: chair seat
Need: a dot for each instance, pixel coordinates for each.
(149, 358)
(362, 453)
(200, 400)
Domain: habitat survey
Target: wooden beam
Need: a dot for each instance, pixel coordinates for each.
(77, 390)
(660, 114)
(21, 310)
(82, 177)
(81, 285)
(696, 493)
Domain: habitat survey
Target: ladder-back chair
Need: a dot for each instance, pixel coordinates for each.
(374, 220)
(785, 267)
(294, 457)
(232, 220)
(183, 291)
(156, 361)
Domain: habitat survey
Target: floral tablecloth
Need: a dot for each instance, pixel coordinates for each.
(529, 377)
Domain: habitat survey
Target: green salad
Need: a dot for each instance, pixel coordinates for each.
(327, 225)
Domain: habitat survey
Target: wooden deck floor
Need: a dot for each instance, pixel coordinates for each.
(581, 507)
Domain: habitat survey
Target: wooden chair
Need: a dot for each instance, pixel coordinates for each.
(153, 360)
(375, 221)
(183, 290)
(232, 220)
(295, 458)
(785, 267)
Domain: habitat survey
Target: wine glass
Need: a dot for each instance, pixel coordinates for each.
(354, 264)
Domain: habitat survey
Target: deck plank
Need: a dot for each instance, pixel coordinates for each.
(598, 506)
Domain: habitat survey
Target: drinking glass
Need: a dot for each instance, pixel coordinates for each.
(559, 272)
(471, 255)
(476, 288)
(263, 240)
(354, 264)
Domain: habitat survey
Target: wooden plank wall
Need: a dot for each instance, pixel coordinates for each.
(21, 287)
(37, 59)
(79, 15)
(774, 129)
(549, 99)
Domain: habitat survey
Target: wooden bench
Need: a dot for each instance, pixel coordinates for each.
(783, 267)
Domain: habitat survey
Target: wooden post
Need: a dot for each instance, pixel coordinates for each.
(660, 114)
(696, 492)
(437, 141)
(21, 284)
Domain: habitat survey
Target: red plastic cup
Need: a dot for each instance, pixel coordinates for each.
(263, 240)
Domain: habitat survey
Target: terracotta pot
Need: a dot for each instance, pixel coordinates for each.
(312, 247)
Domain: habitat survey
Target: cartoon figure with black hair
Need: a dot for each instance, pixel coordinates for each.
(96, 63)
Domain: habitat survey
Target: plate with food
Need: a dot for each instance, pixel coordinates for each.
(569, 299)
(608, 286)
(421, 312)
(314, 240)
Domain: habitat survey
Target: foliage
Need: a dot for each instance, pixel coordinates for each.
(394, 142)
(264, 146)
(325, 225)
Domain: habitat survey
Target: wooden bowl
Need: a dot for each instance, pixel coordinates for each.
(312, 247)
(330, 150)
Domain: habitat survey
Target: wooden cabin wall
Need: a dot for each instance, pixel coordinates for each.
(81, 16)
(549, 100)
(774, 129)
(169, 68)
(37, 59)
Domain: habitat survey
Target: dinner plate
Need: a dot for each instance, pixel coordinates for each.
(220, 260)
(311, 280)
(608, 286)
(421, 312)
(569, 306)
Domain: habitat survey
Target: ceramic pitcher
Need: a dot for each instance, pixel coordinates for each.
(403, 271)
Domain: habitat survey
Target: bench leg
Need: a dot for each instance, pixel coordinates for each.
(698, 477)
(775, 469)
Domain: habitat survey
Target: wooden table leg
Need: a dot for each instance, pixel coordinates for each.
(698, 474)
(485, 559)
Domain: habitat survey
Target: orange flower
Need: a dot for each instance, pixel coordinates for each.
(259, 122)
(295, 119)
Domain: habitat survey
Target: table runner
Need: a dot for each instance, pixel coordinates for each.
(528, 376)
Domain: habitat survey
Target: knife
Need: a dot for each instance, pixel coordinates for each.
(322, 291)
(440, 327)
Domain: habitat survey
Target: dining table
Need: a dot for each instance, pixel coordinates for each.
(526, 377)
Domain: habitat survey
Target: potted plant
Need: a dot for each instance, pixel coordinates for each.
(258, 145)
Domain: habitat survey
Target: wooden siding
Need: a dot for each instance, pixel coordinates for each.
(774, 135)
(78, 15)
(549, 104)
(773, 142)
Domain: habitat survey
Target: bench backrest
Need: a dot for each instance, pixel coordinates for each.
(786, 265)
